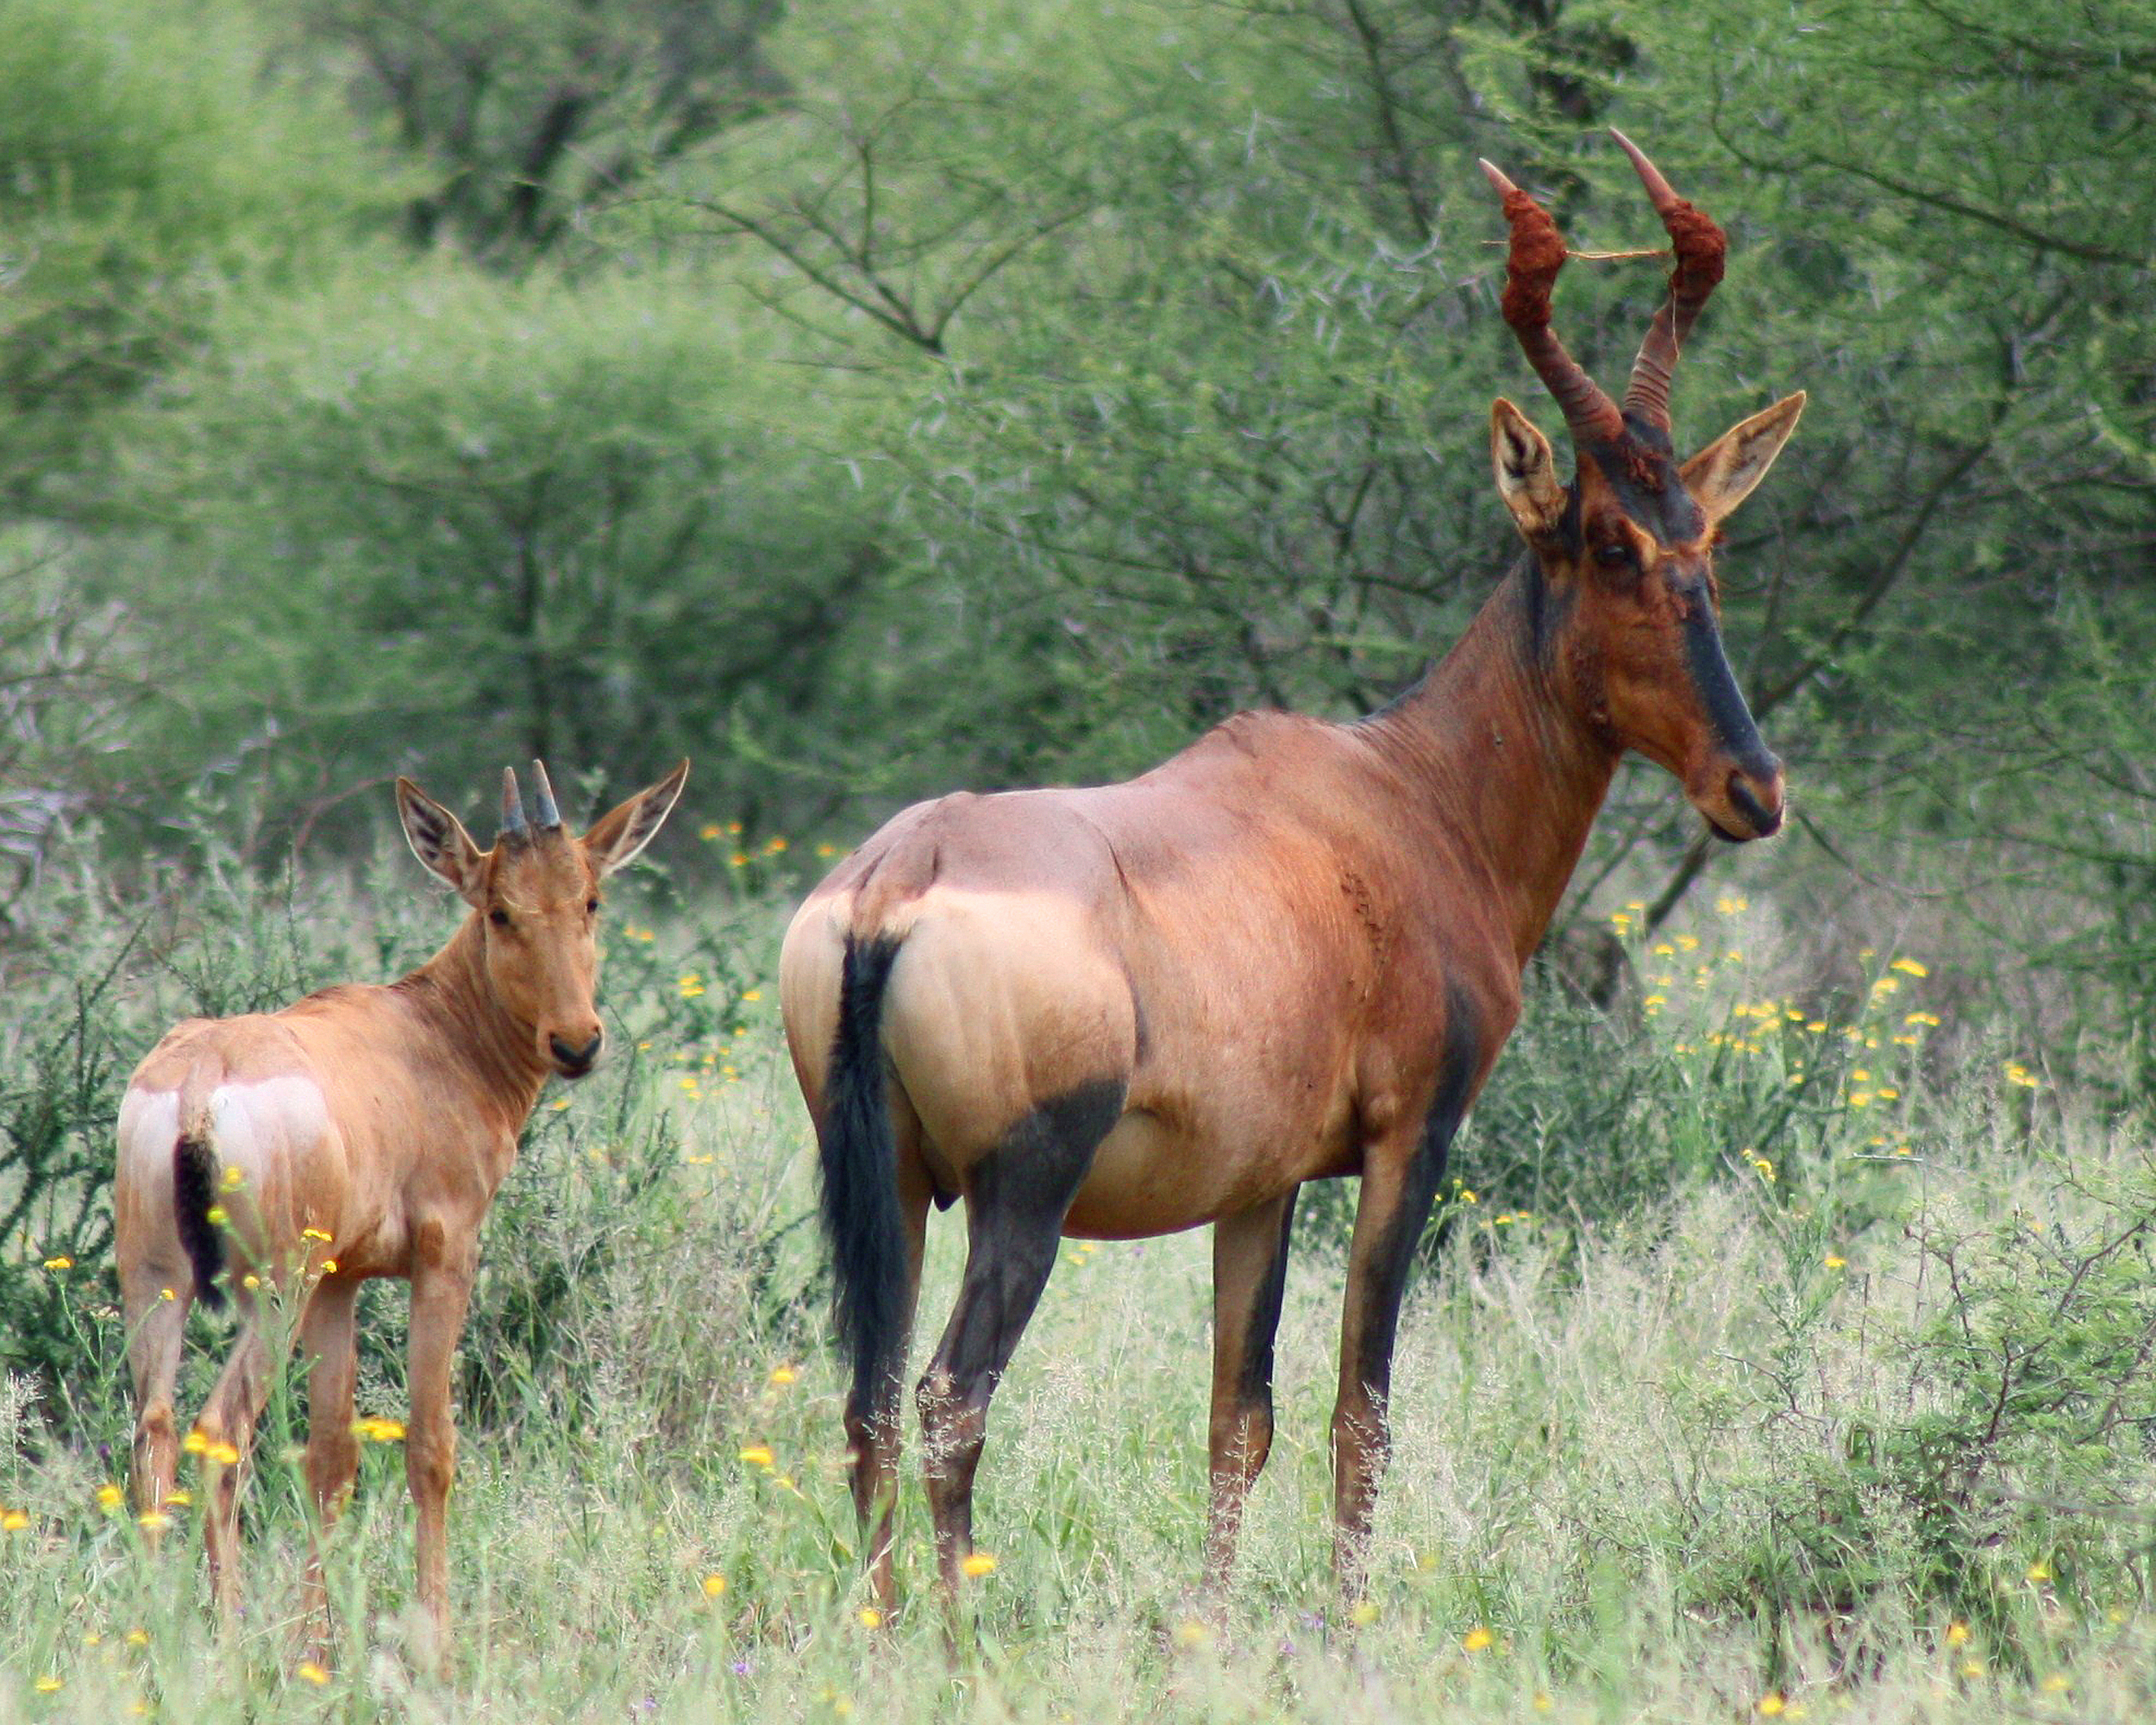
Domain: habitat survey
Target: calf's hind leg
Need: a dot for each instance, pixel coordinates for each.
(1016, 1199)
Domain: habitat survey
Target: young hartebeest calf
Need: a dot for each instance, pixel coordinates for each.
(1291, 952)
(362, 1132)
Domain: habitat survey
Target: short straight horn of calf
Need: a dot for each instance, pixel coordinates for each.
(359, 1132)
(1291, 952)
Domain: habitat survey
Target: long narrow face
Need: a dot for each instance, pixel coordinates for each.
(537, 895)
(1626, 555)
(1626, 552)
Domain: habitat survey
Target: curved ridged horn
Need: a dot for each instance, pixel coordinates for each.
(1701, 248)
(1531, 269)
(545, 814)
(512, 807)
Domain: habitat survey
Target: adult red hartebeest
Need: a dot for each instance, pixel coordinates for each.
(1291, 952)
(362, 1132)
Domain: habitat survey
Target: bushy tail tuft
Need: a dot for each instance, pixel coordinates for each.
(194, 1192)
(859, 1180)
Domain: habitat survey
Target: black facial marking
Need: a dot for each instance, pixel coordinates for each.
(1724, 703)
(1647, 487)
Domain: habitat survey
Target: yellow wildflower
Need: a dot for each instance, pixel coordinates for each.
(738, 860)
(328, 1266)
(110, 1497)
(1363, 1613)
(315, 1234)
(1190, 1633)
(1771, 1703)
(166, 1294)
(233, 1177)
(869, 1617)
(312, 1672)
(2057, 1683)
(2018, 1073)
(214, 1215)
(1730, 905)
(757, 1455)
(774, 845)
(62, 1262)
(377, 1430)
(1835, 1261)
(1476, 1639)
(978, 1564)
(138, 1638)
(13, 1521)
(1908, 967)
(226, 1455)
(154, 1521)
(48, 1684)
(194, 1443)
(182, 1497)
(714, 1585)
(752, 994)
(1957, 1633)
(2040, 1571)
(709, 830)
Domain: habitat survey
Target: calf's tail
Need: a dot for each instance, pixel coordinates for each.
(858, 1161)
(194, 1194)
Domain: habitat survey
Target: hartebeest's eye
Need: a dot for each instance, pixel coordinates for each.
(1612, 556)
(498, 917)
(591, 907)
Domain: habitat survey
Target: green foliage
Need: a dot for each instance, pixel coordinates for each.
(150, 166)
(546, 520)
(530, 111)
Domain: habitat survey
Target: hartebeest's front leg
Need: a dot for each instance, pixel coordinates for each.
(1400, 1184)
(1250, 1274)
(874, 1432)
(327, 1337)
(440, 1292)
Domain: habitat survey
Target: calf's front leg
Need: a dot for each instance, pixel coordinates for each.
(440, 1292)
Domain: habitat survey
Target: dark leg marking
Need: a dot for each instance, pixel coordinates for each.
(1388, 1223)
(1019, 1195)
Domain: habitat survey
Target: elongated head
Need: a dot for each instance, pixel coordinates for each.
(535, 895)
(1628, 609)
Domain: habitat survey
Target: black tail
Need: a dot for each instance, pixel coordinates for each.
(194, 1193)
(861, 1183)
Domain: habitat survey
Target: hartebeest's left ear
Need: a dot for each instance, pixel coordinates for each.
(1527, 473)
(617, 836)
(438, 840)
(1722, 475)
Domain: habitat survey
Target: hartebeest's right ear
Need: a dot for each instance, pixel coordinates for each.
(438, 839)
(617, 836)
(1724, 473)
(1527, 473)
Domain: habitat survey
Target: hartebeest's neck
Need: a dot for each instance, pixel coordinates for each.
(1502, 765)
(499, 1055)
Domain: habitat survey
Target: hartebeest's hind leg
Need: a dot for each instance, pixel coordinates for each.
(1015, 1205)
(876, 1431)
(155, 1310)
(327, 1339)
(228, 1417)
(1250, 1276)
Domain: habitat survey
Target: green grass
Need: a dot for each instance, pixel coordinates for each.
(1718, 1440)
